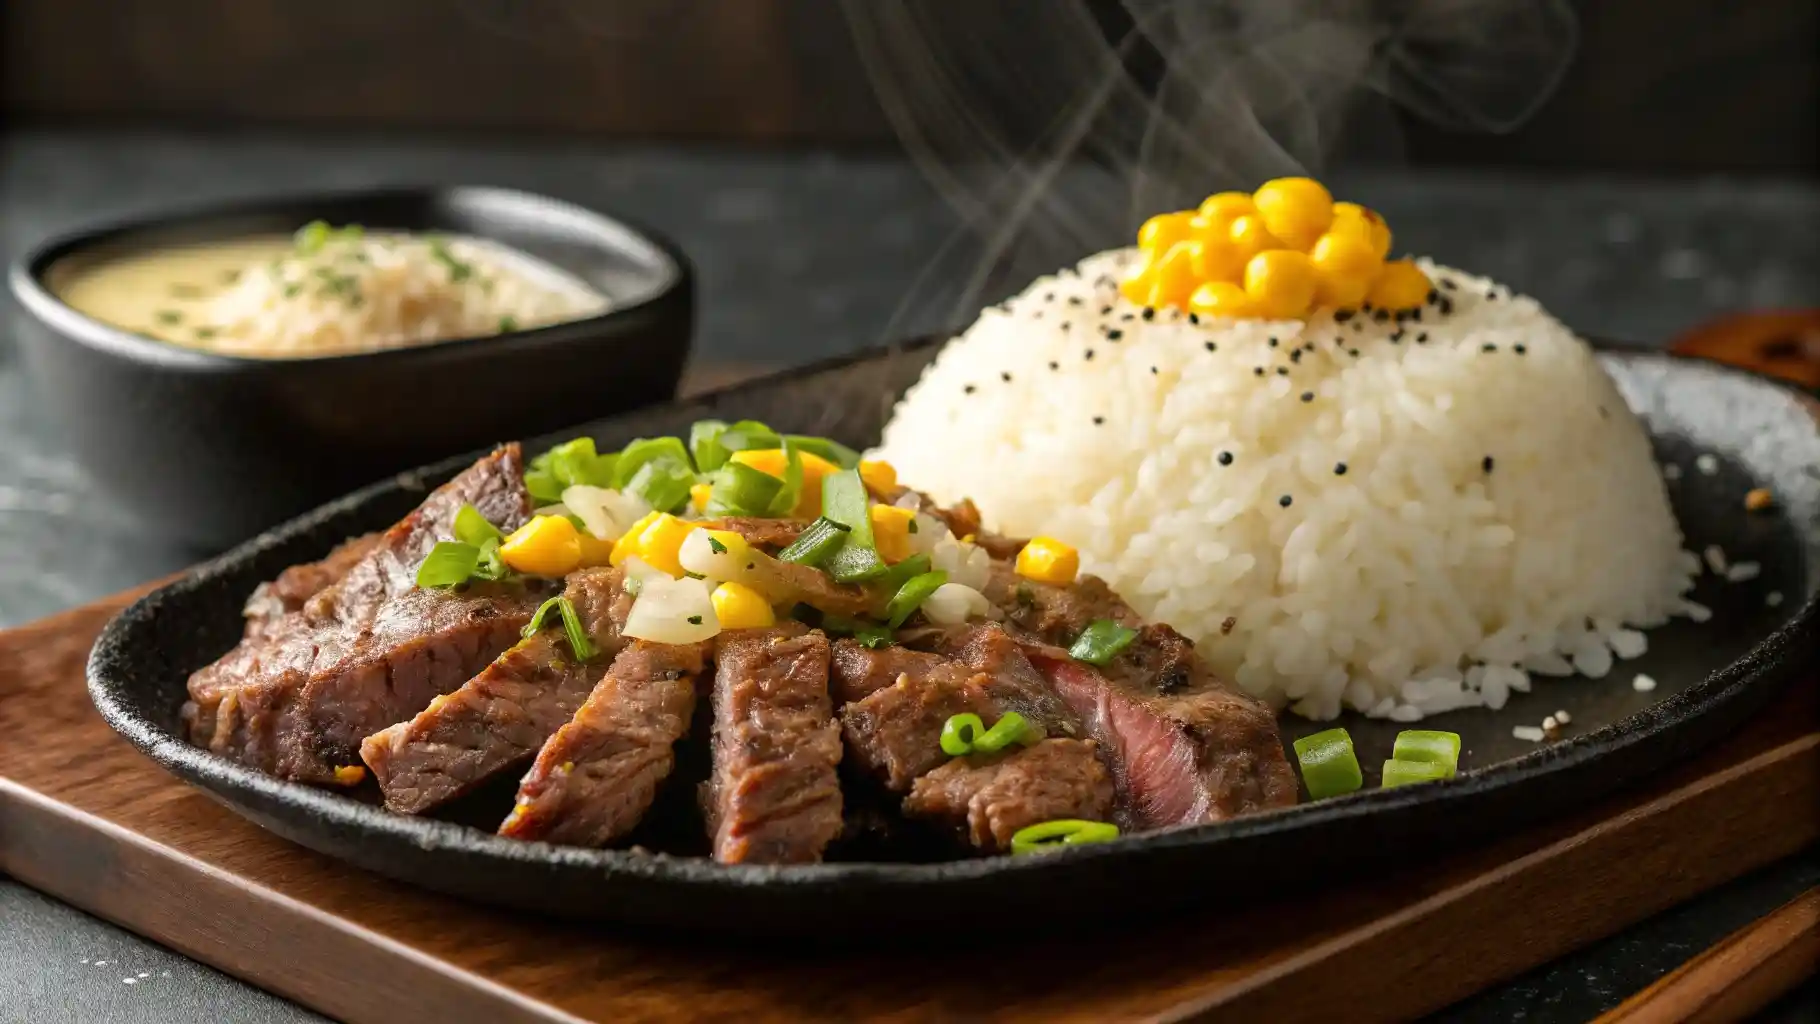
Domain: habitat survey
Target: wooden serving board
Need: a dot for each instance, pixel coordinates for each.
(85, 817)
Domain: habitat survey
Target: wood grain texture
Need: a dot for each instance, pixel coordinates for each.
(84, 817)
(1752, 968)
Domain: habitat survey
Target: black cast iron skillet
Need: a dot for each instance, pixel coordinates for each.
(1711, 677)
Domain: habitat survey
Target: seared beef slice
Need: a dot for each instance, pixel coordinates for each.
(1184, 747)
(498, 719)
(272, 601)
(774, 797)
(990, 800)
(370, 649)
(595, 778)
(896, 733)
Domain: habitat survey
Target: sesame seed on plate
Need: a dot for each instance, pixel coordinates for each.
(1563, 717)
(1773, 598)
(1643, 683)
(1529, 733)
(1707, 464)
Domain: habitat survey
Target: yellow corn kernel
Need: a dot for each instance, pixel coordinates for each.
(1164, 230)
(1400, 285)
(1353, 219)
(1227, 205)
(1216, 256)
(350, 775)
(698, 496)
(772, 461)
(1172, 279)
(1251, 237)
(1135, 286)
(627, 544)
(1222, 298)
(1345, 264)
(661, 541)
(738, 606)
(891, 532)
(1281, 283)
(595, 551)
(1047, 560)
(879, 476)
(545, 546)
(1296, 210)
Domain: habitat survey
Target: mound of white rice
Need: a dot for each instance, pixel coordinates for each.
(365, 292)
(1397, 517)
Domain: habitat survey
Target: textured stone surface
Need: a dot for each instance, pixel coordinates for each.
(803, 256)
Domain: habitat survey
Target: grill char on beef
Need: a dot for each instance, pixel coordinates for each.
(1183, 747)
(857, 671)
(770, 535)
(498, 719)
(595, 778)
(369, 649)
(987, 801)
(774, 797)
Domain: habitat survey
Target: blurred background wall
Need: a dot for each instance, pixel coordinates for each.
(1676, 86)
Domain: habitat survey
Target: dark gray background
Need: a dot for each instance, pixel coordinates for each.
(804, 255)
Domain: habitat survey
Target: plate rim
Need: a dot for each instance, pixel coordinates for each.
(1769, 663)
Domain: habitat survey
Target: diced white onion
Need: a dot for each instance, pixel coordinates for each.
(697, 555)
(952, 604)
(929, 532)
(590, 503)
(664, 608)
(965, 564)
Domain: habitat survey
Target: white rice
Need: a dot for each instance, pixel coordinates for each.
(380, 291)
(1416, 582)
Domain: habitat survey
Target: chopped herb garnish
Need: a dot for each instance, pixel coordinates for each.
(170, 316)
(508, 324)
(186, 291)
(695, 620)
(579, 643)
(1063, 831)
(1101, 641)
(458, 271)
(205, 333)
(716, 546)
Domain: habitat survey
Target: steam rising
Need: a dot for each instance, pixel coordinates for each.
(1054, 127)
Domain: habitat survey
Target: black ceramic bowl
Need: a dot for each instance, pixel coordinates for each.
(1711, 676)
(211, 449)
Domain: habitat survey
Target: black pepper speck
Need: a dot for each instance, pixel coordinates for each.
(1340, 316)
(1396, 336)
(1422, 338)
(1225, 458)
(1099, 420)
(1149, 313)
(1212, 346)
(1445, 306)
(1339, 469)
(1053, 365)
(1520, 349)
(1447, 283)
(1049, 297)
(1105, 310)
(1381, 315)
(1273, 343)
(1075, 300)
(1307, 396)
(1114, 335)
(1353, 352)
(1488, 347)
(1486, 464)
(1127, 317)
(1194, 318)
(1285, 501)
(1087, 354)
(969, 389)
(1492, 294)
(1005, 375)
(1153, 369)
(1296, 356)
(1258, 370)
(1282, 371)
(1066, 324)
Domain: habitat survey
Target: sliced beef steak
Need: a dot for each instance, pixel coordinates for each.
(595, 778)
(272, 601)
(774, 797)
(1012, 680)
(988, 801)
(498, 719)
(368, 650)
(896, 732)
(858, 671)
(1179, 758)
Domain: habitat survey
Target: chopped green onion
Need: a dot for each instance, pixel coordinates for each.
(1101, 641)
(1329, 766)
(490, 566)
(543, 486)
(740, 490)
(716, 546)
(873, 636)
(310, 238)
(662, 483)
(749, 435)
(911, 596)
(579, 644)
(448, 563)
(472, 528)
(1012, 728)
(844, 500)
(704, 444)
(170, 316)
(959, 733)
(785, 500)
(1431, 746)
(646, 449)
(833, 451)
(1405, 773)
(508, 324)
(1061, 832)
(889, 582)
(822, 538)
(576, 462)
